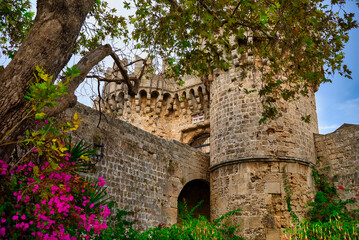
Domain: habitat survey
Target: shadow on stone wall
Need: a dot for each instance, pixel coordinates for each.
(145, 174)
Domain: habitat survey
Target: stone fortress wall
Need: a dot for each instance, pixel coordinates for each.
(247, 160)
(339, 156)
(144, 173)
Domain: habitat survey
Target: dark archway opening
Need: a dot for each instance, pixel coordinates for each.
(194, 192)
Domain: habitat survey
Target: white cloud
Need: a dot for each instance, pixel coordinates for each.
(351, 105)
(328, 129)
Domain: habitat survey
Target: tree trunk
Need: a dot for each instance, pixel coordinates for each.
(49, 44)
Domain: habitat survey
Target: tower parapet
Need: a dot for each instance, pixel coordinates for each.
(161, 107)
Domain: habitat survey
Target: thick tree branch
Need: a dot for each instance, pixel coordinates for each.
(234, 11)
(175, 5)
(133, 83)
(207, 8)
(124, 74)
(85, 65)
(103, 79)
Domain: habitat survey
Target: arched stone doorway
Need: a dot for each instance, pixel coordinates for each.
(192, 193)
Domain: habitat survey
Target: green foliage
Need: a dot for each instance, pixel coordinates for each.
(326, 201)
(104, 25)
(193, 229)
(306, 118)
(336, 229)
(288, 195)
(80, 151)
(297, 39)
(184, 213)
(300, 42)
(120, 228)
(327, 218)
(44, 93)
(15, 21)
(188, 229)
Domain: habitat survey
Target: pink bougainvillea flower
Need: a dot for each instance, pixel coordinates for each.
(3, 167)
(2, 232)
(17, 193)
(26, 226)
(34, 150)
(101, 182)
(106, 212)
(19, 197)
(36, 186)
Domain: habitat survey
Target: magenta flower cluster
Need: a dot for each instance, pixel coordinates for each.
(3, 167)
(49, 201)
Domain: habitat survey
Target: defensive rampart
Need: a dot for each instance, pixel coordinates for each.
(145, 174)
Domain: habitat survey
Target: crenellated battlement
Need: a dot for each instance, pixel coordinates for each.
(161, 106)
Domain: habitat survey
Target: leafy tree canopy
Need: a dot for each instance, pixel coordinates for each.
(15, 20)
(301, 41)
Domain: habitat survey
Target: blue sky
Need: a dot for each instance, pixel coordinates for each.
(338, 102)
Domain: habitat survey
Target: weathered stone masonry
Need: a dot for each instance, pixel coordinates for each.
(339, 151)
(247, 160)
(145, 173)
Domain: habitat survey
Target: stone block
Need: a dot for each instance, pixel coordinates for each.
(273, 234)
(273, 188)
(254, 222)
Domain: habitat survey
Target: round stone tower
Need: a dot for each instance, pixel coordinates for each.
(249, 160)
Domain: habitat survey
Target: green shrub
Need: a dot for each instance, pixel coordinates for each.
(328, 216)
(195, 229)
